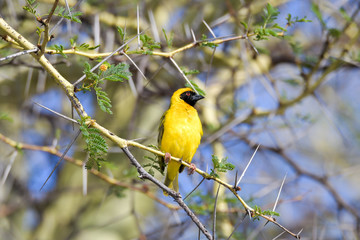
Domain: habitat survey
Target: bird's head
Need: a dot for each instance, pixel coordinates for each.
(186, 95)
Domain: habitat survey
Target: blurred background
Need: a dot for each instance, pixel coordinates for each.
(295, 96)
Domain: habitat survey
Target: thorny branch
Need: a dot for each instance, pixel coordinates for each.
(122, 143)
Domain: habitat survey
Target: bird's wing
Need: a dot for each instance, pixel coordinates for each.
(161, 133)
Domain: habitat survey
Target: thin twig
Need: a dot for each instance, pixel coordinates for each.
(19, 54)
(153, 26)
(85, 175)
(209, 28)
(105, 59)
(138, 24)
(136, 66)
(252, 157)
(213, 53)
(278, 195)
(278, 235)
(8, 167)
(183, 74)
(237, 225)
(61, 158)
(28, 82)
(194, 189)
(214, 215)
(193, 35)
(59, 114)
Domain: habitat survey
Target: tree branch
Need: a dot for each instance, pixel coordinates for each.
(52, 150)
(177, 197)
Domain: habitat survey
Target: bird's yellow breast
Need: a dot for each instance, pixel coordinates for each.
(182, 131)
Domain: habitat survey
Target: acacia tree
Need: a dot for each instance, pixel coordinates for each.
(275, 142)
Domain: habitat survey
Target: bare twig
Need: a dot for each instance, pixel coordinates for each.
(279, 235)
(70, 14)
(8, 167)
(214, 215)
(278, 196)
(153, 26)
(213, 53)
(59, 114)
(136, 66)
(194, 189)
(237, 225)
(252, 157)
(193, 35)
(85, 175)
(183, 74)
(61, 158)
(138, 24)
(19, 54)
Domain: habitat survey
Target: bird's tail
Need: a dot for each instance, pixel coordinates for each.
(174, 185)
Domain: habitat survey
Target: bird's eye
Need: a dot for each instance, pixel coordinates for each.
(188, 94)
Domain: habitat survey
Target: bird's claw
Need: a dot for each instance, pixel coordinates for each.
(191, 169)
(167, 157)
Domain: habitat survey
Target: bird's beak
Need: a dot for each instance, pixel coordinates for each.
(196, 97)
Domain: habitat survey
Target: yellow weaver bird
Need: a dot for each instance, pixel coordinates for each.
(180, 133)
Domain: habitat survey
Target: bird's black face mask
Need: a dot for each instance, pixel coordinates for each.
(190, 97)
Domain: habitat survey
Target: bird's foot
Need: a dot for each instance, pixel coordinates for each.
(191, 169)
(167, 158)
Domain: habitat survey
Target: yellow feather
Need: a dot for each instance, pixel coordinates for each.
(179, 134)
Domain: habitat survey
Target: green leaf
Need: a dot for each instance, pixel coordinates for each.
(39, 31)
(336, 33)
(73, 41)
(279, 27)
(271, 14)
(272, 32)
(258, 212)
(118, 191)
(220, 165)
(197, 88)
(5, 116)
(103, 101)
(244, 24)
(31, 6)
(316, 10)
(121, 32)
(96, 145)
(169, 40)
(74, 17)
(117, 73)
(206, 43)
(292, 82)
(60, 11)
(189, 72)
(148, 42)
(345, 15)
(94, 47)
(59, 49)
(296, 47)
